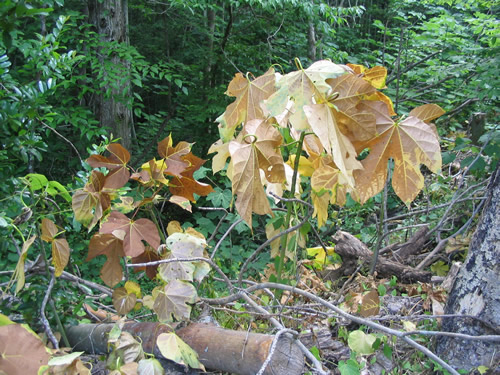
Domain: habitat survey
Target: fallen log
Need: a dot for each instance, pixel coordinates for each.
(352, 250)
(237, 352)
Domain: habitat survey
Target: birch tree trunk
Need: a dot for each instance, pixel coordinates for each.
(476, 292)
(110, 18)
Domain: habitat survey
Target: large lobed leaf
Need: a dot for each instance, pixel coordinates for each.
(135, 231)
(257, 150)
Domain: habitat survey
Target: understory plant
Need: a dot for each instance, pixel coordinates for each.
(320, 134)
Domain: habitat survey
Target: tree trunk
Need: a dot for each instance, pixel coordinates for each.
(311, 41)
(238, 352)
(112, 107)
(476, 292)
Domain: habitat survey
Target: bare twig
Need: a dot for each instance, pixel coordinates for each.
(45, 322)
(353, 318)
(64, 138)
(229, 230)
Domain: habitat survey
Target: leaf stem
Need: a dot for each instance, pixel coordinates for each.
(289, 206)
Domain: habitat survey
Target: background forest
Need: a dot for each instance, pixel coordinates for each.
(78, 77)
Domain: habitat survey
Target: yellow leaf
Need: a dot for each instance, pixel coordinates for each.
(19, 271)
(320, 203)
(304, 87)
(306, 168)
(219, 160)
(319, 255)
(383, 98)
(174, 227)
(427, 112)
(60, 255)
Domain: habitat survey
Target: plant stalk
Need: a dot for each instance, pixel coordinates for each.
(289, 207)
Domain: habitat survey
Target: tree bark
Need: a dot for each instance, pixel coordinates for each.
(238, 352)
(110, 18)
(476, 292)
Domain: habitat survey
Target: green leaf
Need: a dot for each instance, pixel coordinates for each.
(36, 181)
(172, 347)
(349, 367)
(54, 188)
(361, 342)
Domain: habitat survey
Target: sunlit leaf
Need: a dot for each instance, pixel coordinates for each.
(172, 347)
(409, 143)
(257, 150)
(361, 342)
(249, 94)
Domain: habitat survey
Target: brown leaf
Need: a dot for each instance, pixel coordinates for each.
(49, 230)
(91, 202)
(60, 255)
(149, 255)
(185, 185)
(171, 302)
(370, 304)
(256, 151)
(22, 352)
(249, 94)
(123, 301)
(136, 231)
(116, 163)
(427, 112)
(409, 143)
(174, 156)
(112, 247)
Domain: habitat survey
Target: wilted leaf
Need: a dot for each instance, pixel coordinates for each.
(174, 227)
(182, 202)
(116, 163)
(136, 231)
(172, 347)
(427, 112)
(303, 87)
(249, 94)
(112, 247)
(123, 301)
(149, 255)
(187, 247)
(174, 156)
(60, 255)
(257, 150)
(19, 271)
(185, 185)
(409, 143)
(361, 342)
(150, 366)
(172, 301)
(91, 202)
(219, 160)
(49, 230)
(370, 304)
(22, 352)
